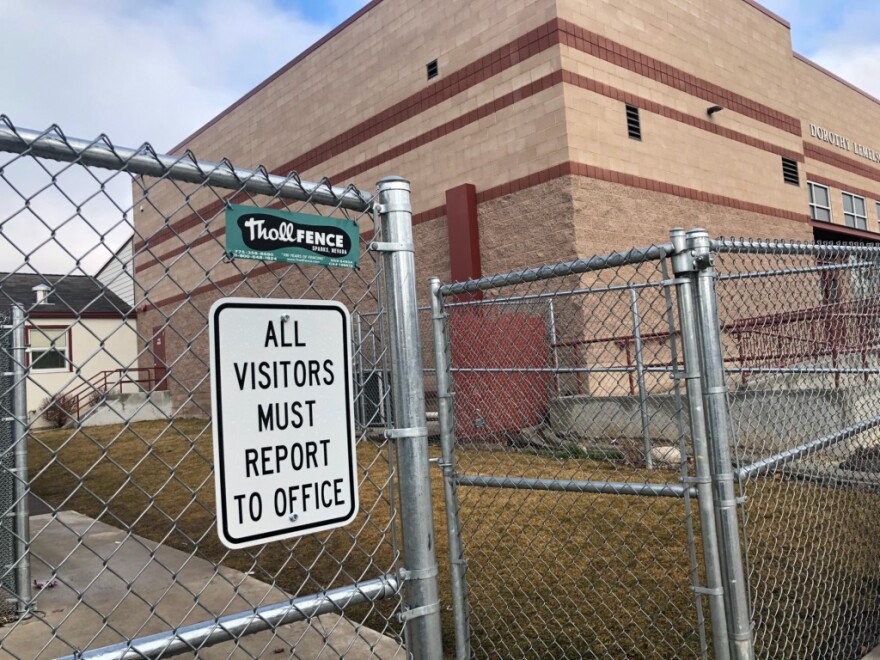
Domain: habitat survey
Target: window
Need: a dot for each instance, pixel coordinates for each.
(49, 348)
(854, 213)
(433, 69)
(633, 123)
(820, 202)
(790, 171)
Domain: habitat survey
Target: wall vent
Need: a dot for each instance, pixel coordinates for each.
(633, 123)
(790, 171)
(433, 69)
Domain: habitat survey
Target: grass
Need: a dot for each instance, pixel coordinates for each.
(550, 574)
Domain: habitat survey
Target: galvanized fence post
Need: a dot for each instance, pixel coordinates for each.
(739, 627)
(20, 438)
(421, 615)
(684, 271)
(640, 376)
(457, 565)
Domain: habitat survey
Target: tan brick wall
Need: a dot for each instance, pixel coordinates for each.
(727, 42)
(611, 216)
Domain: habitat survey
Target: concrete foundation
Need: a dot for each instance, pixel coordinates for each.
(765, 421)
(125, 408)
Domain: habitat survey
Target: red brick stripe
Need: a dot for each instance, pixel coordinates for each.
(815, 178)
(538, 178)
(485, 110)
(602, 174)
(841, 162)
(598, 46)
(528, 45)
(519, 50)
(697, 122)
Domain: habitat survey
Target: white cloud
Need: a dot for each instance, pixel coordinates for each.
(137, 71)
(852, 49)
(841, 37)
(857, 63)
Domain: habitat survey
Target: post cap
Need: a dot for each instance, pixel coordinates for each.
(393, 183)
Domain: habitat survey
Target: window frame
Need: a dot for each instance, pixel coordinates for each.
(855, 217)
(67, 350)
(811, 186)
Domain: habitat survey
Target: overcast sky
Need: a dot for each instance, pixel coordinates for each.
(155, 70)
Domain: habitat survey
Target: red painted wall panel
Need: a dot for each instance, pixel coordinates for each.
(494, 406)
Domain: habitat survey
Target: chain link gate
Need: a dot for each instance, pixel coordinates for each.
(577, 507)
(124, 558)
(581, 404)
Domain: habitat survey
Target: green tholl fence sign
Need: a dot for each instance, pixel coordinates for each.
(297, 238)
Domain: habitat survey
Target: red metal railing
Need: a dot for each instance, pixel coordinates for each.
(144, 379)
(625, 342)
(830, 330)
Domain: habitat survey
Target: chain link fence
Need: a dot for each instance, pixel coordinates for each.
(668, 452)
(124, 557)
(571, 462)
(801, 334)
(665, 452)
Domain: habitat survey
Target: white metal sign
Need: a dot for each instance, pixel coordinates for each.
(284, 443)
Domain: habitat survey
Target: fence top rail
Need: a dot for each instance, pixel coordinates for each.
(53, 144)
(613, 260)
(752, 246)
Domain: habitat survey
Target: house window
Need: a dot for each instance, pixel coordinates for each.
(433, 69)
(49, 348)
(854, 212)
(820, 202)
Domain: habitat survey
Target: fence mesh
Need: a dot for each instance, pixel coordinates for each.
(119, 431)
(801, 332)
(563, 385)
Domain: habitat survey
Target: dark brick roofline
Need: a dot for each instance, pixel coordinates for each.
(837, 78)
(767, 12)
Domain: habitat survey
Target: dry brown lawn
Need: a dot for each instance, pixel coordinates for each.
(550, 574)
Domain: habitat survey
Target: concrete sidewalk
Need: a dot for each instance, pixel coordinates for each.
(140, 588)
